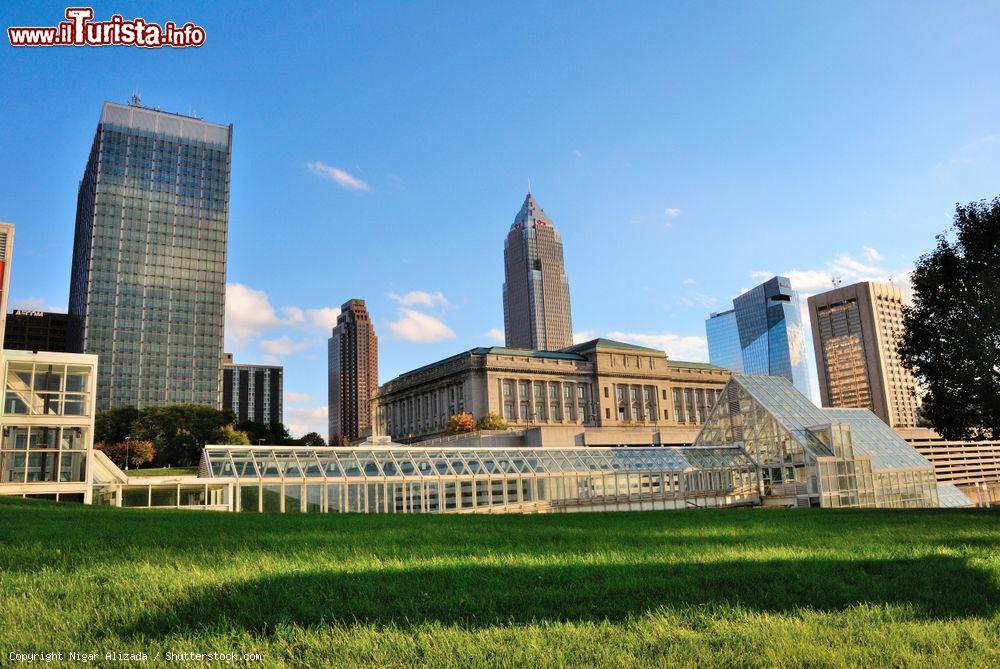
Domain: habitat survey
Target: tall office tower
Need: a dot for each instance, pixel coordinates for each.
(724, 341)
(149, 259)
(856, 330)
(352, 367)
(536, 309)
(772, 339)
(252, 392)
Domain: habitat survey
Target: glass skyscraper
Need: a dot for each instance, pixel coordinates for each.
(766, 325)
(724, 341)
(147, 291)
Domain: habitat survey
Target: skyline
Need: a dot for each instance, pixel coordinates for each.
(729, 155)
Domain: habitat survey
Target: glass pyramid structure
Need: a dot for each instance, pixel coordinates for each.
(818, 457)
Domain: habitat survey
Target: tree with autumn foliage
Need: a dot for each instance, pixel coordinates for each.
(461, 422)
(136, 451)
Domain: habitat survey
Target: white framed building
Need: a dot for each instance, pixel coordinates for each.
(47, 415)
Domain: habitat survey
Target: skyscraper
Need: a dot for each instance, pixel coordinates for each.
(771, 334)
(252, 392)
(352, 373)
(149, 257)
(856, 330)
(766, 326)
(724, 341)
(536, 309)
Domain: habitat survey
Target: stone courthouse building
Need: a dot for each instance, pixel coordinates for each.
(598, 393)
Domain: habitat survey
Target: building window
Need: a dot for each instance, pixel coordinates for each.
(43, 454)
(40, 389)
(607, 413)
(507, 391)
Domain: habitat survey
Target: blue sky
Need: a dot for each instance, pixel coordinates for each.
(381, 151)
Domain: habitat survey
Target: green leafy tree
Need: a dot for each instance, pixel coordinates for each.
(180, 431)
(227, 435)
(114, 425)
(951, 333)
(312, 439)
(275, 434)
(493, 421)
(460, 423)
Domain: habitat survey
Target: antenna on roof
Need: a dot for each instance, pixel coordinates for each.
(529, 185)
(136, 99)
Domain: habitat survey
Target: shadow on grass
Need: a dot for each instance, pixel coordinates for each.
(935, 587)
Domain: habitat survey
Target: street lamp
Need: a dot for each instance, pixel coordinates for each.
(127, 440)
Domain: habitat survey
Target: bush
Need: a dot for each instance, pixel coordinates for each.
(460, 423)
(493, 421)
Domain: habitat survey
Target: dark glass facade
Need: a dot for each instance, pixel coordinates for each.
(149, 258)
(36, 331)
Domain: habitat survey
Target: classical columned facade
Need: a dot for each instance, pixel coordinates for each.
(599, 384)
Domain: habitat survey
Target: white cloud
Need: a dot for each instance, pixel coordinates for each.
(249, 315)
(303, 420)
(689, 282)
(35, 304)
(419, 327)
(292, 397)
(284, 345)
(871, 254)
(420, 298)
(578, 153)
(583, 335)
(324, 317)
(338, 176)
(497, 335)
(672, 212)
(677, 347)
(248, 312)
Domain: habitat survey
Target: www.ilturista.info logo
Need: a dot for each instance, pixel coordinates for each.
(80, 30)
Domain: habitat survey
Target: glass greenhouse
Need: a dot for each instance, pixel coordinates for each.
(810, 456)
(397, 479)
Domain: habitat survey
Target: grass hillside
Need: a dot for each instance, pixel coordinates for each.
(733, 588)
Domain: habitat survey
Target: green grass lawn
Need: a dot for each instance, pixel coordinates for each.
(732, 588)
(164, 471)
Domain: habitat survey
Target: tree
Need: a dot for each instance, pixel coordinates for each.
(137, 451)
(312, 439)
(460, 423)
(951, 333)
(493, 421)
(227, 435)
(274, 434)
(113, 425)
(180, 431)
